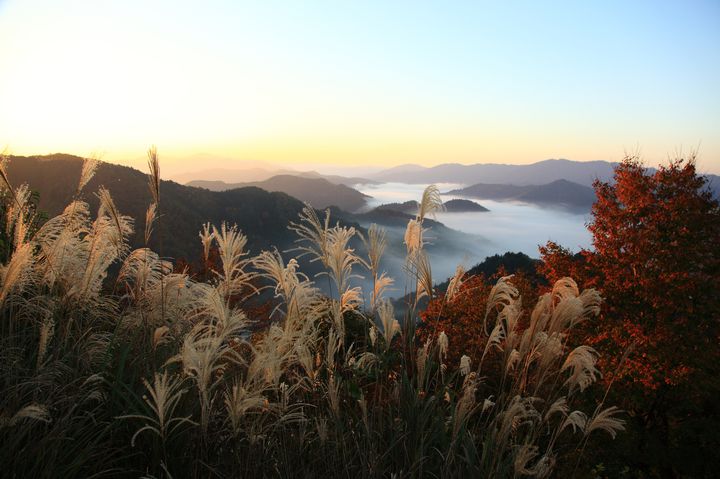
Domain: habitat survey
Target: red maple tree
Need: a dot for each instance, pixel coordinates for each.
(656, 261)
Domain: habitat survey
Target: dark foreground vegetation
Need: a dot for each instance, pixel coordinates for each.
(116, 362)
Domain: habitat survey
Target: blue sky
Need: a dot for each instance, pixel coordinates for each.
(371, 83)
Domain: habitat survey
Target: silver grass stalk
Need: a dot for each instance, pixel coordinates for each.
(106, 243)
(414, 237)
(159, 335)
(341, 258)
(390, 325)
(430, 203)
(150, 216)
(350, 299)
(164, 393)
(465, 405)
(141, 271)
(565, 288)
(560, 406)
(204, 355)
(314, 234)
(17, 273)
(206, 237)
(581, 363)
(376, 244)
(576, 420)
(566, 314)
(17, 210)
(497, 336)
(421, 268)
(121, 223)
(519, 411)
(21, 231)
(154, 175)
(604, 421)
(63, 251)
(231, 247)
(333, 345)
(238, 402)
(512, 361)
(380, 285)
(455, 284)
(4, 179)
(89, 168)
(304, 306)
(502, 294)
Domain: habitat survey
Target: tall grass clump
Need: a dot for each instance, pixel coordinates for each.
(114, 364)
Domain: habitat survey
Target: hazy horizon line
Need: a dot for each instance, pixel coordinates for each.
(228, 163)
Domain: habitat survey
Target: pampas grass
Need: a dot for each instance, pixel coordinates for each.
(17, 273)
(89, 168)
(376, 243)
(163, 396)
(146, 371)
(233, 277)
(154, 176)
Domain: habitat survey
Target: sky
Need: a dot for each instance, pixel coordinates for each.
(360, 84)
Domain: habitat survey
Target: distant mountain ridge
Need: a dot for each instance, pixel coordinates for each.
(581, 172)
(318, 192)
(261, 173)
(560, 193)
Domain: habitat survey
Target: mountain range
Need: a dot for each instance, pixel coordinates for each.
(538, 173)
(318, 192)
(559, 193)
(261, 173)
(263, 216)
(582, 172)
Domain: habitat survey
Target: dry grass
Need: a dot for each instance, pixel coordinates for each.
(164, 376)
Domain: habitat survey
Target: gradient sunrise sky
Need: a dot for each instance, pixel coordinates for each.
(360, 83)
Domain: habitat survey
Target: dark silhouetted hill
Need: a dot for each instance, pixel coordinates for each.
(463, 206)
(319, 192)
(408, 207)
(451, 206)
(261, 215)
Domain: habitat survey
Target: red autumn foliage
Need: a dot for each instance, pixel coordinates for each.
(462, 317)
(656, 262)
